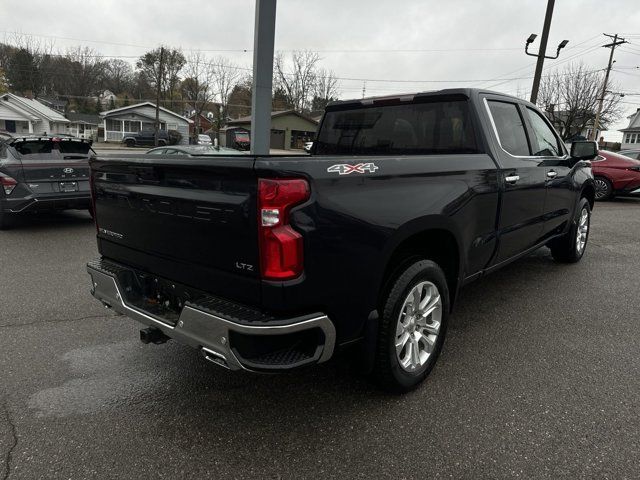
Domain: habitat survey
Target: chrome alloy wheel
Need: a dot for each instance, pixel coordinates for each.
(583, 230)
(601, 188)
(418, 326)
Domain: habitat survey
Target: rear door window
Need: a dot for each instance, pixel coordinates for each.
(435, 127)
(510, 128)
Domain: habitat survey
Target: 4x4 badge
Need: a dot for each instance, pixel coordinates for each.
(346, 169)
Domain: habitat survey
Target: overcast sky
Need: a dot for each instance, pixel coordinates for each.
(437, 43)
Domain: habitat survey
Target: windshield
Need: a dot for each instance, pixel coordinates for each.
(242, 136)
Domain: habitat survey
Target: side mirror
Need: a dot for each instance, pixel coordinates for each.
(584, 150)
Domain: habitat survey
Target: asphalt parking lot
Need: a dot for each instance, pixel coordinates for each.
(539, 378)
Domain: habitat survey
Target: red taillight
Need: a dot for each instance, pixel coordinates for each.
(8, 183)
(281, 247)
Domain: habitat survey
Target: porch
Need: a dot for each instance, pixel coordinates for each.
(115, 129)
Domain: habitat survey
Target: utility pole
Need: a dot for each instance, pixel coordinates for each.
(612, 46)
(542, 51)
(364, 89)
(158, 90)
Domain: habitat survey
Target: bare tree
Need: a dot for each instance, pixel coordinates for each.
(162, 75)
(174, 62)
(198, 85)
(87, 69)
(118, 76)
(299, 81)
(226, 75)
(325, 89)
(26, 63)
(570, 98)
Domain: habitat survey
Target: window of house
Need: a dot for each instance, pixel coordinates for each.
(510, 128)
(548, 143)
(114, 125)
(131, 126)
(172, 126)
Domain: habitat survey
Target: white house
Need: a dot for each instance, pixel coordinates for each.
(24, 115)
(141, 116)
(631, 134)
(107, 97)
(83, 125)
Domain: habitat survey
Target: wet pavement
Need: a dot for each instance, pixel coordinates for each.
(539, 378)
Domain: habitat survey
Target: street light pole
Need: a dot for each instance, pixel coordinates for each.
(542, 51)
(263, 42)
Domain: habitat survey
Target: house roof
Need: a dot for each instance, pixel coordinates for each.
(634, 122)
(86, 118)
(32, 108)
(143, 104)
(274, 115)
(53, 101)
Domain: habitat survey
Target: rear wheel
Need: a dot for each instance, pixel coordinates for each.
(412, 327)
(162, 143)
(130, 142)
(571, 247)
(604, 189)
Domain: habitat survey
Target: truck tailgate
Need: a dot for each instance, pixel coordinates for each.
(188, 219)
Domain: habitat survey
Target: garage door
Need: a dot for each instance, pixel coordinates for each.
(277, 139)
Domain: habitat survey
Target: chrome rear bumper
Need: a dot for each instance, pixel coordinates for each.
(212, 334)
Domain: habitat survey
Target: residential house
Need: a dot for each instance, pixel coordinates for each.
(132, 119)
(631, 134)
(206, 123)
(54, 103)
(83, 125)
(25, 115)
(289, 129)
(107, 98)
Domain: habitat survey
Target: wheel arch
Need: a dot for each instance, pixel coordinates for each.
(589, 192)
(432, 238)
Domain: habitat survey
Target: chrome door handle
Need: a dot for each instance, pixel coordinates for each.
(512, 178)
(552, 174)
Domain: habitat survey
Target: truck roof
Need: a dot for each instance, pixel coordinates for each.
(407, 97)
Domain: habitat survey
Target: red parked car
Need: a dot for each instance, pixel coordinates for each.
(615, 174)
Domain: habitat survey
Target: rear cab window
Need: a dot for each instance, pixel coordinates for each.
(425, 125)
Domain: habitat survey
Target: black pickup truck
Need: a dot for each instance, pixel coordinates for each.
(270, 263)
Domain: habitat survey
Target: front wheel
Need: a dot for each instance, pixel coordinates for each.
(130, 142)
(571, 247)
(604, 189)
(412, 327)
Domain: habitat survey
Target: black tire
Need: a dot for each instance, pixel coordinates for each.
(604, 189)
(130, 142)
(6, 220)
(162, 143)
(566, 249)
(388, 371)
